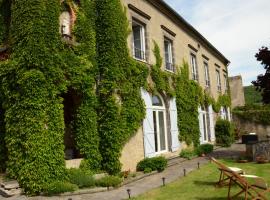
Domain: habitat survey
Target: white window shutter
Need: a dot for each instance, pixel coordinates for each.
(148, 126)
(229, 114)
(201, 124)
(211, 123)
(174, 127)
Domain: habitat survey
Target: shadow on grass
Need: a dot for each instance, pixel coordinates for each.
(218, 198)
(213, 198)
(209, 183)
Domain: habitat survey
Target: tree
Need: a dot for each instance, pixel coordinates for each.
(263, 81)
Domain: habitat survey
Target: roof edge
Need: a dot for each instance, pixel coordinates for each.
(171, 13)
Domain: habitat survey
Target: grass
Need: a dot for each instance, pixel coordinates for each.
(200, 184)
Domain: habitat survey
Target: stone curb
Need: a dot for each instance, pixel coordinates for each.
(85, 191)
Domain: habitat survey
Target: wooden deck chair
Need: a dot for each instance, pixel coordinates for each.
(223, 177)
(250, 185)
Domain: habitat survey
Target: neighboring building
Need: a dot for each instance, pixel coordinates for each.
(237, 91)
(154, 20)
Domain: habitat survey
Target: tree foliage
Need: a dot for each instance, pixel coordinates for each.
(263, 81)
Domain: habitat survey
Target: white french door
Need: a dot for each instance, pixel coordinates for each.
(161, 140)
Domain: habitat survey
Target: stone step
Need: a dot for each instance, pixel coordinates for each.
(10, 193)
(175, 160)
(9, 185)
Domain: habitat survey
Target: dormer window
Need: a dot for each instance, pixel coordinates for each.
(139, 46)
(65, 24)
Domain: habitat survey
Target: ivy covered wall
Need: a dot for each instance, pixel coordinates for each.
(96, 65)
(189, 96)
(121, 108)
(31, 82)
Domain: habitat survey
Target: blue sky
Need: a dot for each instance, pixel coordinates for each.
(237, 28)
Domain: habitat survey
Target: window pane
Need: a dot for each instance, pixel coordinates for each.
(207, 78)
(156, 101)
(162, 131)
(194, 67)
(167, 50)
(137, 37)
(218, 80)
(155, 130)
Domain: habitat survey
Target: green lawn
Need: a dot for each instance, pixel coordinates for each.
(199, 185)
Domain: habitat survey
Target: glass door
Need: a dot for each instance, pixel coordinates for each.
(160, 131)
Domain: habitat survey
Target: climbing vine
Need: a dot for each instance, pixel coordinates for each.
(121, 108)
(189, 96)
(82, 72)
(4, 20)
(162, 81)
(96, 65)
(31, 82)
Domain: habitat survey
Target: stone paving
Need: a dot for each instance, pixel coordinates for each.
(154, 181)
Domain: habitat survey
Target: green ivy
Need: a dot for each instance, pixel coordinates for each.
(189, 96)
(3, 150)
(4, 20)
(121, 108)
(96, 65)
(162, 80)
(83, 81)
(32, 81)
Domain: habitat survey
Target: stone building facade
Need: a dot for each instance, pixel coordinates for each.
(154, 21)
(237, 91)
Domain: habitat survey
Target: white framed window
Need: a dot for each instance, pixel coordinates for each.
(218, 80)
(168, 45)
(206, 75)
(225, 82)
(159, 123)
(139, 47)
(194, 67)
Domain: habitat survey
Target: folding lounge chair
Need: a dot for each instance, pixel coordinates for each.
(223, 176)
(250, 185)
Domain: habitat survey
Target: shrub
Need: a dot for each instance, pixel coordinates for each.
(187, 153)
(81, 178)
(109, 181)
(157, 163)
(59, 187)
(147, 170)
(204, 149)
(224, 132)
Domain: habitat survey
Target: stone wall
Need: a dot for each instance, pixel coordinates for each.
(260, 149)
(237, 91)
(245, 127)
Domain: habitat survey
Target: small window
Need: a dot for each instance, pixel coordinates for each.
(138, 40)
(168, 55)
(218, 80)
(65, 24)
(206, 74)
(194, 67)
(156, 101)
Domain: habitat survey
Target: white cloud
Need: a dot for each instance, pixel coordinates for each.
(237, 28)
